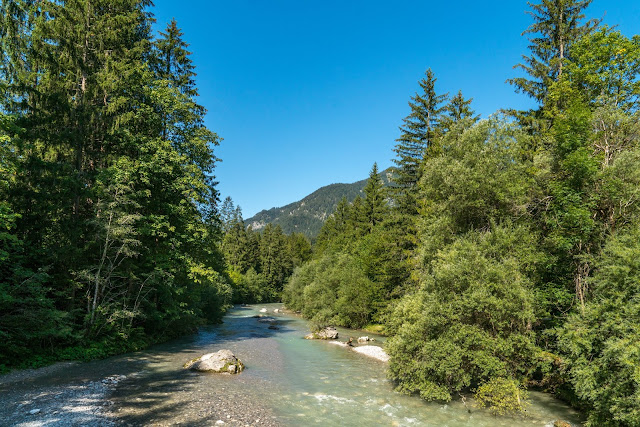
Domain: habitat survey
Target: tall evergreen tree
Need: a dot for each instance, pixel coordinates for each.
(227, 213)
(558, 24)
(276, 265)
(182, 118)
(419, 134)
(374, 205)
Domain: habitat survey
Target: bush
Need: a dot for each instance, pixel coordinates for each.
(501, 396)
(471, 320)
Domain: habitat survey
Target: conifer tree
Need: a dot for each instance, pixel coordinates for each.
(182, 118)
(357, 223)
(457, 110)
(226, 214)
(419, 134)
(558, 24)
(374, 204)
(275, 262)
(334, 229)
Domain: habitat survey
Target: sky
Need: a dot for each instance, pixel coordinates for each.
(308, 93)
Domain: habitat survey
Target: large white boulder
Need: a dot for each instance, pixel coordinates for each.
(223, 361)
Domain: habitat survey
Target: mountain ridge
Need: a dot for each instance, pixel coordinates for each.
(307, 215)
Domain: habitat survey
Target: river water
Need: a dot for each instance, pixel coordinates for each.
(288, 381)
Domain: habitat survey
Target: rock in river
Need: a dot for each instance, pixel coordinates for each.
(327, 333)
(223, 361)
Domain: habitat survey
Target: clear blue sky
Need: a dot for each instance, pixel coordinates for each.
(308, 93)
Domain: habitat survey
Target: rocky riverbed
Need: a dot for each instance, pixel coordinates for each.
(56, 395)
(288, 381)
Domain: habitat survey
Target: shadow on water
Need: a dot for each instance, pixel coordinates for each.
(301, 382)
(162, 392)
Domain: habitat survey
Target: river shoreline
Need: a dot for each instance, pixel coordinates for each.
(24, 401)
(289, 381)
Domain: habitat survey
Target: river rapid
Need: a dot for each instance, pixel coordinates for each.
(288, 381)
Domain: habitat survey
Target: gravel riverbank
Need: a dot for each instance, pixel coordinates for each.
(58, 395)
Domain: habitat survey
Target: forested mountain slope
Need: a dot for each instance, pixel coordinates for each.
(306, 216)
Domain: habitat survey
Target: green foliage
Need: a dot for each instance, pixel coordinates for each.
(472, 318)
(420, 133)
(605, 66)
(259, 262)
(332, 290)
(480, 177)
(601, 344)
(501, 396)
(558, 24)
(112, 233)
(374, 206)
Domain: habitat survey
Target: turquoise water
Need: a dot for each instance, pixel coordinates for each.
(319, 383)
(288, 381)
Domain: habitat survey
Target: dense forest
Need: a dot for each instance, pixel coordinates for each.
(259, 262)
(109, 226)
(504, 255)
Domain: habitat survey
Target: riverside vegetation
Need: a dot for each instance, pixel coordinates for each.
(504, 256)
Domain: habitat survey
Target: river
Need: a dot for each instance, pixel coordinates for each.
(288, 381)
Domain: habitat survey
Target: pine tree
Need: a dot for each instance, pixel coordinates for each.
(419, 134)
(276, 264)
(356, 221)
(557, 25)
(334, 229)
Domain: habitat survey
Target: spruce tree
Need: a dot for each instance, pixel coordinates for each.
(457, 110)
(182, 118)
(374, 205)
(419, 134)
(334, 230)
(558, 24)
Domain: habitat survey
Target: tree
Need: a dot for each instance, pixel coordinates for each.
(334, 231)
(558, 24)
(605, 66)
(374, 203)
(470, 323)
(299, 249)
(227, 214)
(275, 264)
(182, 118)
(601, 344)
(458, 109)
(419, 134)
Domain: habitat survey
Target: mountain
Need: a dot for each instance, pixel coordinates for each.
(306, 216)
